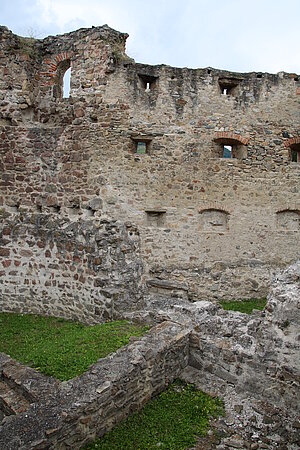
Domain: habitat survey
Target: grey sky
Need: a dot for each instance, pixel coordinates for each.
(239, 35)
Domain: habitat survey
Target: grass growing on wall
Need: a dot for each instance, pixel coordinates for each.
(174, 420)
(61, 348)
(245, 306)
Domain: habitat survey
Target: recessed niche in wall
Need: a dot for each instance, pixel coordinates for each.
(229, 86)
(214, 220)
(288, 219)
(148, 82)
(155, 217)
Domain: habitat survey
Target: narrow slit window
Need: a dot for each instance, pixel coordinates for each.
(228, 86)
(148, 82)
(67, 83)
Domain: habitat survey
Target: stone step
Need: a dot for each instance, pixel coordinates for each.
(11, 401)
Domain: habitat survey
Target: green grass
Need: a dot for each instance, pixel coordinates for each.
(244, 306)
(174, 420)
(60, 348)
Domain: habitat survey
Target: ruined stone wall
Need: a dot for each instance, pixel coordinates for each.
(252, 362)
(78, 269)
(212, 227)
(70, 414)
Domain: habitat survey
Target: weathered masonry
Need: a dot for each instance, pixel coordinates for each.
(145, 178)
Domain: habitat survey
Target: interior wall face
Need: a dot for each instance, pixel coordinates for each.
(216, 226)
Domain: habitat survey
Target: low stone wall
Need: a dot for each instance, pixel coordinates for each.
(86, 269)
(252, 361)
(70, 414)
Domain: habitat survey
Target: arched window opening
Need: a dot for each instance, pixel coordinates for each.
(229, 149)
(62, 85)
(67, 83)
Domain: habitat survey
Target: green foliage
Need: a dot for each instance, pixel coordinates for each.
(173, 420)
(61, 348)
(244, 306)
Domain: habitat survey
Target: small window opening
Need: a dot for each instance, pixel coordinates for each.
(296, 79)
(148, 82)
(67, 83)
(295, 153)
(259, 75)
(61, 89)
(228, 85)
(295, 156)
(141, 146)
(227, 151)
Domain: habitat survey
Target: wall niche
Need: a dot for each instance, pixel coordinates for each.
(215, 220)
(288, 219)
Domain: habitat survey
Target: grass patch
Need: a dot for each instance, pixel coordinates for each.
(245, 306)
(174, 420)
(61, 348)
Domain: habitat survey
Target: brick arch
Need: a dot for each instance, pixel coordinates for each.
(50, 75)
(292, 141)
(228, 137)
(215, 207)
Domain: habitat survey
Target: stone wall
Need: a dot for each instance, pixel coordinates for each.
(70, 414)
(213, 227)
(252, 362)
(76, 268)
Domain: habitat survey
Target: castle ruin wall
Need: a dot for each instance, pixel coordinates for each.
(213, 227)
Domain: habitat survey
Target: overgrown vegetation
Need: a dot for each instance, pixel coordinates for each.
(244, 306)
(174, 420)
(61, 348)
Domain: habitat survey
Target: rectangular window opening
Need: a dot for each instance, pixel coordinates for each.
(148, 82)
(227, 151)
(141, 147)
